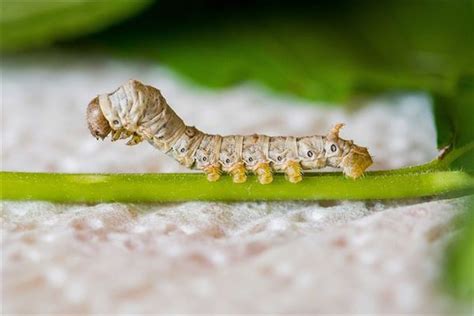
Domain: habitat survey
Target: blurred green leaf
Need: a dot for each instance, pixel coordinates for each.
(454, 115)
(459, 266)
(30, 23)
(319, 50)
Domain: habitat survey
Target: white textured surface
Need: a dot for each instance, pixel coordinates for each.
(209, 257)
(213, 257)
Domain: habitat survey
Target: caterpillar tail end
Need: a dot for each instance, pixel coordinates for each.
(213, 173)
(238, 173)
(293, 171)
(264, 173)
(356, 162)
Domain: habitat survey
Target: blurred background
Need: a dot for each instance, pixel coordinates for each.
(319, 50)
(400, 74)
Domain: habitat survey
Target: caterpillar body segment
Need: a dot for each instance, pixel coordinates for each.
(140, 113)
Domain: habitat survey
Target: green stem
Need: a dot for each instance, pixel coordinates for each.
(441, 163)
(425, 180)
(182, 187)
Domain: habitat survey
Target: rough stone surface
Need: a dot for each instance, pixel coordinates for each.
(291, 257)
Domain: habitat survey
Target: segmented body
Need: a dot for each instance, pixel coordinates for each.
(141, 112)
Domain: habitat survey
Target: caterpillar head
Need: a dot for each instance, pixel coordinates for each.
(341, 153)
(96, 121)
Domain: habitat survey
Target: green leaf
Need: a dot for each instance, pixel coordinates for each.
(459, 265)
(26, 24)
(322, 50)
(454, 116)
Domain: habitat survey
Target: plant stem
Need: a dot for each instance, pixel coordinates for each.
(192, 186)
(429, 179)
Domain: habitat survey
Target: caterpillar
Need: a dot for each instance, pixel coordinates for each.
(139, 112)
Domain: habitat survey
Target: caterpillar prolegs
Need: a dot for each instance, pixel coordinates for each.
(139, 112)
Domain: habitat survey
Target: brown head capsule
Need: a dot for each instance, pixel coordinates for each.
(96, 121)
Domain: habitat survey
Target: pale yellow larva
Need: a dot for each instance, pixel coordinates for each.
(140, 112)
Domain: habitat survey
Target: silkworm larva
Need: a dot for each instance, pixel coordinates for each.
(140, 112)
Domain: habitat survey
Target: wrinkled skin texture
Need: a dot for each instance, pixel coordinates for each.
(141, 113)
(207, 159)
(311, 152)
